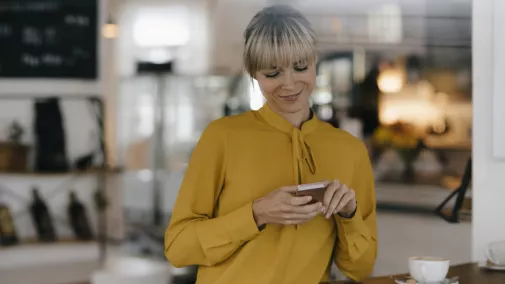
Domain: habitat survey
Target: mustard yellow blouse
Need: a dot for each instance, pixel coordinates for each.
(242, 158)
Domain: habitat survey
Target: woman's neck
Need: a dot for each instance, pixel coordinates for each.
(297, 118)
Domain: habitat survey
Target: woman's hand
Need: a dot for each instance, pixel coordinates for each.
(281, 207)
(339, 199)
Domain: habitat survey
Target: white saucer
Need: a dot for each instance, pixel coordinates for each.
(404, 281)
(485, 265)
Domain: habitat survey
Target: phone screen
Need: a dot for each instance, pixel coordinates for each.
(309, 186)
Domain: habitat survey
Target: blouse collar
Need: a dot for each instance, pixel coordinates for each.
(283, 124)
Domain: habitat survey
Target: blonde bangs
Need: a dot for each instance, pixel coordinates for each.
(279, 44)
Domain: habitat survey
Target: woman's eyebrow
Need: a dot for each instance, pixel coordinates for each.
(271, 69)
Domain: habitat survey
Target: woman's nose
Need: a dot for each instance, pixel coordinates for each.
(289, 81)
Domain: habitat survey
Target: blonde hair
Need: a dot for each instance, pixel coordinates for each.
(278, 36)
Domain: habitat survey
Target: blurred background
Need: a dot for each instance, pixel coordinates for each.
(102, 102)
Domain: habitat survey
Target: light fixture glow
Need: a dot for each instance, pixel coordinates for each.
(110, 30)
(322, 97)
(390, 81)
(325, 112)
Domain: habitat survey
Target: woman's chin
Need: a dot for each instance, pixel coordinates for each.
(294, 107)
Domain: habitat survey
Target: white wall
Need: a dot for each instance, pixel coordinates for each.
(488, 186)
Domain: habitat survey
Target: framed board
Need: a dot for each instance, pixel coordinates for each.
(49, 39)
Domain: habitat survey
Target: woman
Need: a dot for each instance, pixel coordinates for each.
(236, 215)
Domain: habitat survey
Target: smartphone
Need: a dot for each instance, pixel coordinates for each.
(309, 186)
(314, 190)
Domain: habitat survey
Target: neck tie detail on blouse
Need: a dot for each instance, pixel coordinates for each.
(302, 155)
(301, 152)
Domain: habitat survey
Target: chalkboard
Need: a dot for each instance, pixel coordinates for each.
(49, 38)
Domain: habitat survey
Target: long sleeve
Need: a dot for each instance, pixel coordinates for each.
(195, 236)
(356, 249)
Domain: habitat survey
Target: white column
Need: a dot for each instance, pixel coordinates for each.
(488, 171)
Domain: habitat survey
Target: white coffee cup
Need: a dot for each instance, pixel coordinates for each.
(428, 269)
(495, 252)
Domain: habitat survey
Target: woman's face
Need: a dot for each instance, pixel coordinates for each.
(288, 89)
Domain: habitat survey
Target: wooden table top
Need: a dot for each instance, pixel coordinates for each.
(469, 273)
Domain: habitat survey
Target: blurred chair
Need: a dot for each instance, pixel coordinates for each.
(460, 193)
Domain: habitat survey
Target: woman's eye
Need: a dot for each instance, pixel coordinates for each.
(301, 68)
(272, 75)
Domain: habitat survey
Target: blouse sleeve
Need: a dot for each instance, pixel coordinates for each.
(356, 249)
(194, 236)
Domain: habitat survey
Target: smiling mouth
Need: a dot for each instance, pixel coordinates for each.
(291, 97)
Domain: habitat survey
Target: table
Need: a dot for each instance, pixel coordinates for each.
(469, 273)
